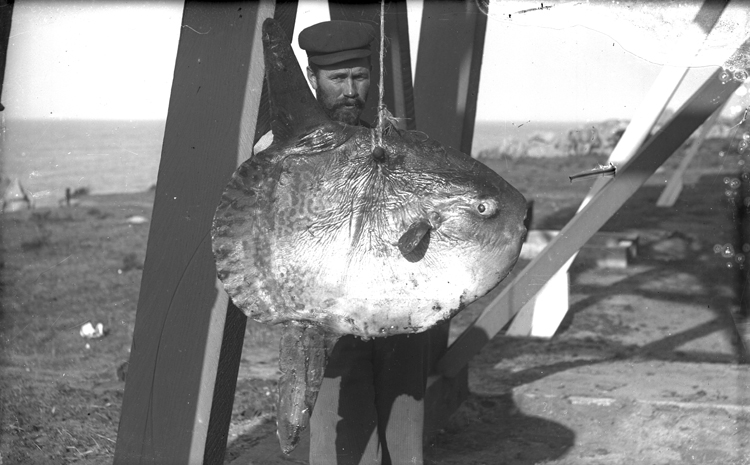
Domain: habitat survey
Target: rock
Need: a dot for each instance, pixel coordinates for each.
(543, 150)
(544, 137)
(136, 219)
(509, 147)
(611, 131)
(581, 141)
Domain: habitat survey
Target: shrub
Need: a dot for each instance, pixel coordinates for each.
(80, 192)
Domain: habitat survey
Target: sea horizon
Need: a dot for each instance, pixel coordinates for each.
(121, 156)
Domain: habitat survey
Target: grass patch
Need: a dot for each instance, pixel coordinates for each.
(60, 271)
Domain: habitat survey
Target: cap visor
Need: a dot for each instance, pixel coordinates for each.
(338, 57)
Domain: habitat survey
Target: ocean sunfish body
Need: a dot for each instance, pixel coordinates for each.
(329, 232)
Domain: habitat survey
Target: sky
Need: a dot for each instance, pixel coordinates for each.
(577, 61)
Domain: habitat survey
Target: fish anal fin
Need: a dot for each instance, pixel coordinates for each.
(302, 361)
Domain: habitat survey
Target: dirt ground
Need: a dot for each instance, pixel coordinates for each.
(643, 370)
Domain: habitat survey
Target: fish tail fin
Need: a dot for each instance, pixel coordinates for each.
(302, 360)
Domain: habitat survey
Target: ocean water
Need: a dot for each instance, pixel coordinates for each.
(48, 156)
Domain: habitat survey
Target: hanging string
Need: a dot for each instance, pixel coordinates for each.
(381, 105)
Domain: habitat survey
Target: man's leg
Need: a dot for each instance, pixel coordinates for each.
(401, 369)
(344, 421)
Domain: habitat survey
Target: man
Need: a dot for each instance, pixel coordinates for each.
(370, 407)
(338, 70)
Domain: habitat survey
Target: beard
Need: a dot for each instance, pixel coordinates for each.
(344, 110)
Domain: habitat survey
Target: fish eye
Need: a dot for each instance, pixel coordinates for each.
(486, 207)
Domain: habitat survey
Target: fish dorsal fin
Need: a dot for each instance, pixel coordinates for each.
(294, 109)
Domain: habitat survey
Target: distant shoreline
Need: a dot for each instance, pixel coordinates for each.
(123, 156)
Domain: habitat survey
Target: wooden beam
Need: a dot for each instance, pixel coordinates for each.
(449, 62)
(579, 230)
(446, 86)
(6, 16)
(188, 338)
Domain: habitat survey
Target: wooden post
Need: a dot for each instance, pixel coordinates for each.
(6, 15)
(449, 62)
(579, 230)
(188, 337)
(446, 85)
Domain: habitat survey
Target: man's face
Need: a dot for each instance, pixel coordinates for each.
(342, 89)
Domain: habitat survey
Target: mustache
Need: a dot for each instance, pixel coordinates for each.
(357, 102)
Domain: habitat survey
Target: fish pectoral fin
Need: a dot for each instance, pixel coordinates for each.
(413, 236)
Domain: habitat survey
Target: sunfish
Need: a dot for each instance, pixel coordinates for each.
(330, 232)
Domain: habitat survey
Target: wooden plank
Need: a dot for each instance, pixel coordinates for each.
(577, 232)
(398, 95)
(671, 192)
(446, 83)
(6, 16)
(446, 86)
(187, 337)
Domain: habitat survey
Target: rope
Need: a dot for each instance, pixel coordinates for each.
(381, 90)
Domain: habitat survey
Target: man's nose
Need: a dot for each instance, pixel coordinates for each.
(350, 90)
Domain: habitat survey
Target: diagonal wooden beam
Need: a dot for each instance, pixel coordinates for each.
(631, 176)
